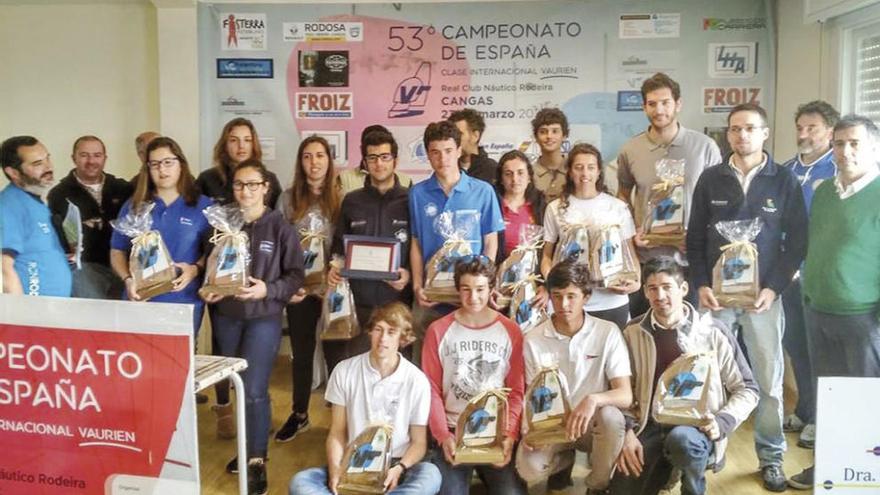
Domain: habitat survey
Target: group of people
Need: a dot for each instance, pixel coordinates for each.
(418, 361)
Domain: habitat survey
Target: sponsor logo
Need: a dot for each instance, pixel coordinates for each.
(336, 62)
(431, 209)
(629, 101)
(267, 246)
(722, 100)
(323, 68)
(719, 202)
(185, 221)
(732, 24)
(245, 68)
(324, 105)
(733, 60)
(634, 61)
(243, 32)
(323, 31)
(411, 94)
(232, 102)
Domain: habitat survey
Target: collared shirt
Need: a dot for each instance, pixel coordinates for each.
(666, 342)
(514, 222)
(588, 360)
(28, 235)
(482, 167)
(745, 180)
(472, 203)
(353, 179)
(94, 190)
(849, 191)
(811, 175)
(184, 230)
(402, 399)
(549, 181)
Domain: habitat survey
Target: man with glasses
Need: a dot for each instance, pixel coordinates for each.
(353, 178)
(34, 262)
(99, 197)
(470, 203)
(749, 185)
(379, 209)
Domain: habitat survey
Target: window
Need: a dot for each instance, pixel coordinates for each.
(866, 93)
(853, 52)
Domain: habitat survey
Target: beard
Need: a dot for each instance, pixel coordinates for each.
(36, 187)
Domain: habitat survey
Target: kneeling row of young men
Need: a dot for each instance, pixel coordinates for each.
(611, 381)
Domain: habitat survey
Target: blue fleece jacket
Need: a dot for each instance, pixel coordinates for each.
(774, 196)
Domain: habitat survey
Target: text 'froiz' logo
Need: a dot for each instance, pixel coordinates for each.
(411, 94)
(731, 59)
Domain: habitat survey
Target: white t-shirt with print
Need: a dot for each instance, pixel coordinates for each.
(604, 209)
(402, 399)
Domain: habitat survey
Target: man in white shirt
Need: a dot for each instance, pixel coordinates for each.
(378, 386)
(592, 358)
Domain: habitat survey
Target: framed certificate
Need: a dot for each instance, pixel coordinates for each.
(371, 258)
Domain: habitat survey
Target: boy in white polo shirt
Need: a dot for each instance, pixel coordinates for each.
(592, 357)
(466, 352)
(378, 386)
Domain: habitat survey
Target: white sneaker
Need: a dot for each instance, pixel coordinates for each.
(792, 423)
(807, 439)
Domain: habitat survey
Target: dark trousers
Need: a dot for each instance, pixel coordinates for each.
(843, 345)
(794, 341)
(619, 316)
(302, 321)
(665, 448)
(457, 479)
(256, 340)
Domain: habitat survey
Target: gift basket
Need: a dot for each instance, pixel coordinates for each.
(573, 244)
(682, 394)
(612, 260)
(521, 309)
(226, 271)
(520, 263)
(338, 318)
(149, 262)
(665, 224)
(735, 279)
(481, 428)
(311, 238)
(547, 408)
(454, 228)
(366, 462)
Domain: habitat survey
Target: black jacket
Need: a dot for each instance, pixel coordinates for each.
(96, 218)
(277, 260)
(210, 184)
(365, 211)
(774, 196)
(482, 167)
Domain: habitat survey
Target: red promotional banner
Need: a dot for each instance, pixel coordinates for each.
(79, 406)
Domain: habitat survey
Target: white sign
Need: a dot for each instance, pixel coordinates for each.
(243, 32)
(323, 31)
(650, 26)
(847, 436)
(733, 60)
(267, 145)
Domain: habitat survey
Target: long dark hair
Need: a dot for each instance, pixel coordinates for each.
(582, 149)
(146, 189)
(532, 194)
(222, 160)
(301, 198)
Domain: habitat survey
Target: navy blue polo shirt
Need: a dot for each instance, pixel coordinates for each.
(183, 228)
(27, 234)
(469, 198)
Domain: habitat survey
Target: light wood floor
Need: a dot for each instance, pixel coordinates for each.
(739, 477)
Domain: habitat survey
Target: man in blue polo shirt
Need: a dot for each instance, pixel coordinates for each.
(34, 262)
(465, 198)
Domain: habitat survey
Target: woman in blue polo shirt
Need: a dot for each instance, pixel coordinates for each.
(316, 191)
(249, 324)
(166, 181)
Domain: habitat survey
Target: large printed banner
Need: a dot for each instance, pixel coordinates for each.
(96, 397)
(333, 69)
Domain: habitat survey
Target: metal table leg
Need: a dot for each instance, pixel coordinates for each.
(241, 439)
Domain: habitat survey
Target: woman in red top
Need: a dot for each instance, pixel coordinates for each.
(521, 202)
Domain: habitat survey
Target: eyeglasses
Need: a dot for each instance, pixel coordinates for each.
(749, 129)
(251, 186)
(383, 157)
(164, 163)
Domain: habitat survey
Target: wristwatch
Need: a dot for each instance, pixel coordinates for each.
(403, 466)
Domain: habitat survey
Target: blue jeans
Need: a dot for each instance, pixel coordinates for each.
(665, 448)
(96, 281)
(457, 479)
(421, 479)
(762, 335)
(256, 341)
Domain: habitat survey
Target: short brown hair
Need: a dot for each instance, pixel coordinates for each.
(475, 265)
(186, 184)
(395, 314)
(83, 139)
(660, 81)
(550, 116)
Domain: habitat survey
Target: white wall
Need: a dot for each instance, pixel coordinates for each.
(71, 69)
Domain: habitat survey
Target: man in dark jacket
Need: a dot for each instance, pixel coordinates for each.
(379, 209)
(474, 159)
(750, 185)
(98, 196)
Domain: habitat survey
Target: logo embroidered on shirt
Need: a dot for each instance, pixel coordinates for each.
(431, 209)
(769, 206)
(719, 202)
(44, 227)
(590, 356)
(267, 246)
(185, 221)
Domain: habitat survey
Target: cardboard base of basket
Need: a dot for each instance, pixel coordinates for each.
(674, 239)
(741, 300)
(548, 432)
(350, 485)
(150, 291)
(341, 329)
(446, 295)
(220, 289)
(492, 454)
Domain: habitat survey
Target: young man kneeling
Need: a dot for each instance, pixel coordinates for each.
(591, 357)
(672, 330)
(467, 352)
(378, 386)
